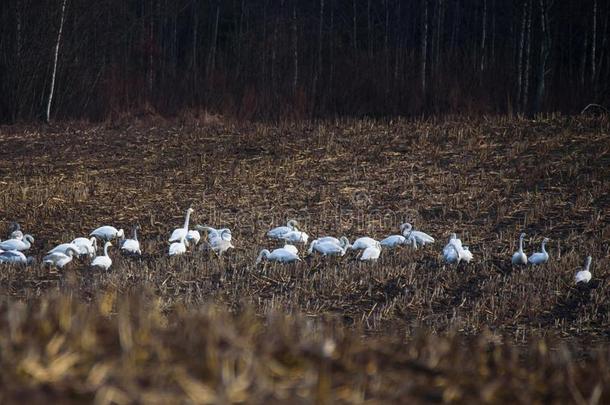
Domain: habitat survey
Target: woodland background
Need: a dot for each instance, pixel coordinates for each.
(263, 59)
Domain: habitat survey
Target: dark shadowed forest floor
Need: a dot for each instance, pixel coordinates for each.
(199, 328)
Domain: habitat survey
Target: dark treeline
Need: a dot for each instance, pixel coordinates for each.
(264, 59)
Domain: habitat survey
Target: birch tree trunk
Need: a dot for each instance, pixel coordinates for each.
(61, 27)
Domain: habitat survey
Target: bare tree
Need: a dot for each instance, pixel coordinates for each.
(295, 48)
(483, 35)
(55, 56)
(545, 47)
(593, 43)
(526, 84)
(424, 45)
(521, 54)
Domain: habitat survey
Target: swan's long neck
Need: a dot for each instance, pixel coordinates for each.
(311, 245)
(186, 220)
(135, 233)
(521, 244)
(264, 253)
(543, 247)
(588, 263)
(106, 249)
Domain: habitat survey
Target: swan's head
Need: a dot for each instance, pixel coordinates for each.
(14, 227)
(93, 241)
(452, 237)
(406, 227)
(107, 245)
(293, 224)
(225, 233)
(29, 238)
(71, 251)
(120, 234)
(262, 255)
(545, 240)
(344, 242)
(522, 235)
(190, 211)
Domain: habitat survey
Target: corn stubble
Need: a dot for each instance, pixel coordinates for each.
(207, 330)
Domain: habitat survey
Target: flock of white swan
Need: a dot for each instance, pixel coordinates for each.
(219, 241)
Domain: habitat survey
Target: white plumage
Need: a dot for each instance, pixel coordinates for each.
(178, 248)
(363, 243)
(17, 244)
(86, 247)
(393, 241)
(103, 262)
(540, 257)
(14, 257)
(132, 246)
(295, 237)
(329, 248)
(421, 238)
(280, 255)
(584, 276)
(63, 248)
(277, 233)
(180, 233)
(107, 233)
(60, 258)
(371, 253)
(519, 258)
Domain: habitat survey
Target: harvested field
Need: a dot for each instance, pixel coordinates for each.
(407, 327)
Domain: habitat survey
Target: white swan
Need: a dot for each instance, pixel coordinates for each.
(520, 258)
(193, 236)
(454, 252)
(220, 246)
(63, 248)
(180, 233)
(178, 248)
(394, 241)
(540, 257)
(60, 259)
(212, 233)
(132, 246)
(295, 237)
(329, 248)
(280, 255)
(466, 254)
(15, 257)
(16, 244)
(329, 239)
(276, 233)
(584, 276)
(421, 238)
(86, 247)
(363, 243)
(104, 261)
(291, 248)
(107, 233)
(451, 254)
(371, 253)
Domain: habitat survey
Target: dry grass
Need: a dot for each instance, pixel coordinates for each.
(487, 179)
